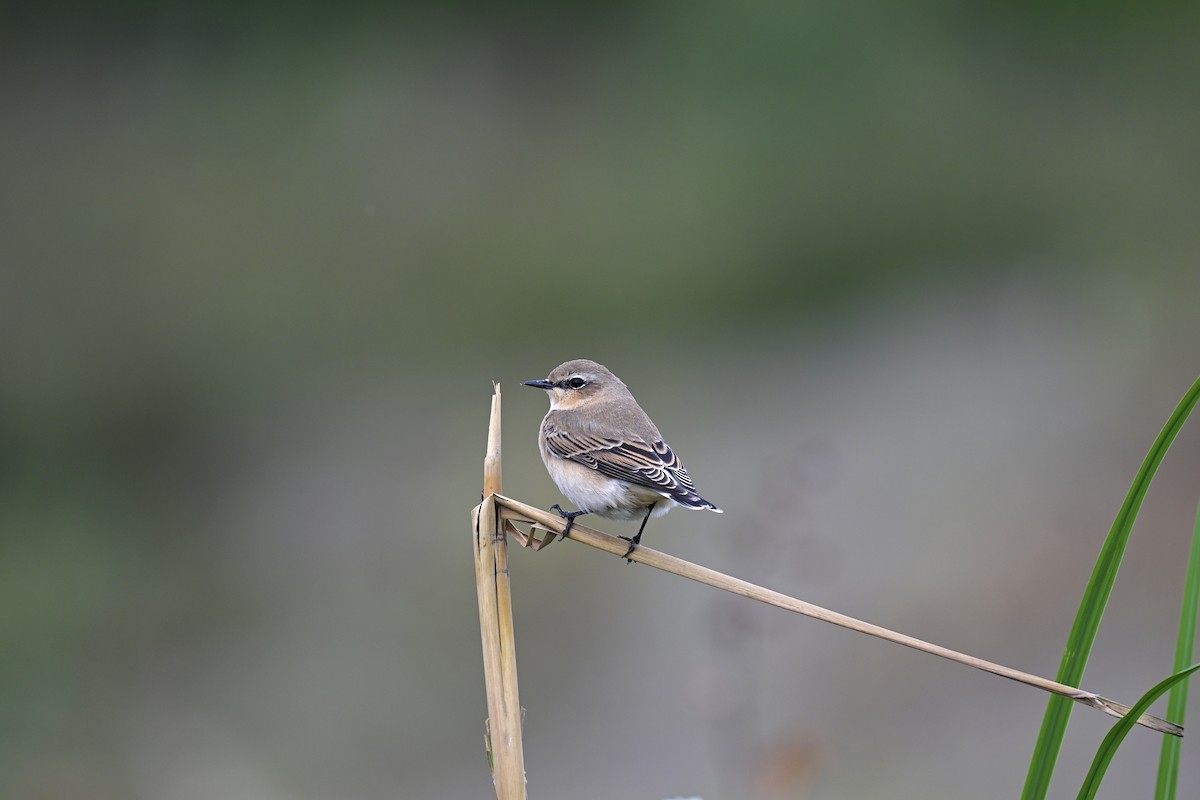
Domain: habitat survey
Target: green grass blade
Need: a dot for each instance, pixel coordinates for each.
(1108, 748)
(1168, 762)
(1091, 608)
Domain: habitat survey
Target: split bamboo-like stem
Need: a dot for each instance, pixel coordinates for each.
(503, 731)
(513, 510)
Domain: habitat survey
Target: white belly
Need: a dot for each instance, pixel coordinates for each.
(604, 496)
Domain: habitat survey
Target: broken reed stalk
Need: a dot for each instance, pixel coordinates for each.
(513, 510)
(503, 731)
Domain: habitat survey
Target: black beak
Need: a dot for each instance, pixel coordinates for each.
(539, 384)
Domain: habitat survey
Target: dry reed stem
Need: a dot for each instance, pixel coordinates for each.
(515, 510)
(486, 591)
(496, 626)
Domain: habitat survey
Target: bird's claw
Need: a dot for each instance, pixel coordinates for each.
(569, 516)
(634, 541)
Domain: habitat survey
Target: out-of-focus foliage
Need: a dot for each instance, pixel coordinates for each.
(908, 287)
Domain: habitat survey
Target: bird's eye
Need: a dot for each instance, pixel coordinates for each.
(577, 383)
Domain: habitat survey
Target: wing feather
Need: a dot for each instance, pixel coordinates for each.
(653, 465)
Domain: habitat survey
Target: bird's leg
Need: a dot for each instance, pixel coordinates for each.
(637, 539)
(569, 516)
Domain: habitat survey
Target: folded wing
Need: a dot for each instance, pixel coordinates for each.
(653, 465)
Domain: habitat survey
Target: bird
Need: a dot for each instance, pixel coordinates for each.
(605, 454)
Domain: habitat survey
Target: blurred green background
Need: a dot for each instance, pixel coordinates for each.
(910, 288)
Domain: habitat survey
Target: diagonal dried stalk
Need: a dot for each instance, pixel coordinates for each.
(503, 731)
(513, 510)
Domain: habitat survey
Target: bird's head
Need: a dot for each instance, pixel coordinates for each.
(576, 382)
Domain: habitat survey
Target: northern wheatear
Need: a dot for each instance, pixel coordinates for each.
(605, 454)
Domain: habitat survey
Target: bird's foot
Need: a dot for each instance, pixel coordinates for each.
(569, 516)
(634, 541)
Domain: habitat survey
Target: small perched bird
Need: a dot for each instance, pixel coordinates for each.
(605, 454)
